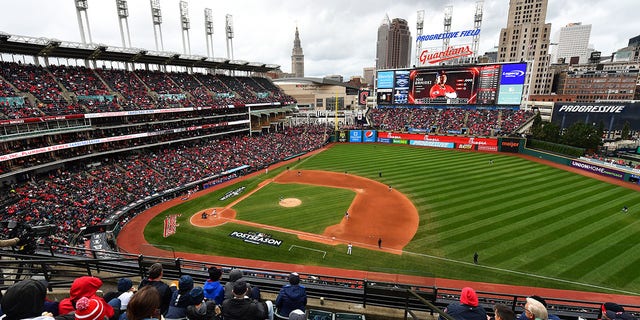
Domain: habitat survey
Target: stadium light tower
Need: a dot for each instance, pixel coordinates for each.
(448, 10)
(123, 14)
(419, 29)
(229, 30)
(208, 30)
(185, 25)
(477, 23)
(156, 16)
(81, 7)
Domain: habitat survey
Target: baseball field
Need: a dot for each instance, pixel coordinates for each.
(432, 209)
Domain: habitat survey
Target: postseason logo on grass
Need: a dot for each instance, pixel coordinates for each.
(256, 238)
(232, 193)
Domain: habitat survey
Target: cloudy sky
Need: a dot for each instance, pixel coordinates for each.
(338, 36)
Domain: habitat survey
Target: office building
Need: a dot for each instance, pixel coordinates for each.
(526, 38)
(393, 48)
(573, 41)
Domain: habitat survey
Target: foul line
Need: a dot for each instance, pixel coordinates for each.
(522, 273)
(324, 253)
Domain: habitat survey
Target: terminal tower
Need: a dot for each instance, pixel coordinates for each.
(297, 57)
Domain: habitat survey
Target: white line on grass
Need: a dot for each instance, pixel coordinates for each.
(522, 273)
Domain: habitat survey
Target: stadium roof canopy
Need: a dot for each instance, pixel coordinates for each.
(318, 81)
(43, 47)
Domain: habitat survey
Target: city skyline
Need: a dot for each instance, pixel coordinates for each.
(337, 37)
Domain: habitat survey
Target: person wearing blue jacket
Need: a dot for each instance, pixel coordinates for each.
(291, 297)
(213, 289)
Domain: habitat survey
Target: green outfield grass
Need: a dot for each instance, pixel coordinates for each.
(531, 224)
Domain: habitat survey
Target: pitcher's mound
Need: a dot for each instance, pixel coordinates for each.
(290, 202)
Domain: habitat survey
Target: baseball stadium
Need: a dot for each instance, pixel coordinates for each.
(110, 168)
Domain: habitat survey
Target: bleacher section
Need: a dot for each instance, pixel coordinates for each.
(66, 90)
(451, 120)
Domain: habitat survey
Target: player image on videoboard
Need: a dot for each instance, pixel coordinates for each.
(443, 86)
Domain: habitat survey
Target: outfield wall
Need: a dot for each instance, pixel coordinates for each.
(503, 144)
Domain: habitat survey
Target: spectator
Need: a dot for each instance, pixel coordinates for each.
(90, 309)
(123, 292)
(145, 304)
(291, 297)
(126, 289)
(535, 310)
(467, 308)
(523, 315)
(213, 290)
(155, 279)
(297, 315)
(234, 276)
(614, 311)
(201, 309)
(180, 299)
(502, 312)
(24, 300)
(87, 286)
(240, 306)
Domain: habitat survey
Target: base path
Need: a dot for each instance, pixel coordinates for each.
(375, 213)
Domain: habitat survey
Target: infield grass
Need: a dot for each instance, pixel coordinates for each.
(530, 224)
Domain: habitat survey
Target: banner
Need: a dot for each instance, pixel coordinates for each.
(370, 136)
(342, 136)
(362, 97)
(170, 225)
(613, 115)
(355, 135)
(597, 169)
(448, 145)
(436, 138)
(509, 145)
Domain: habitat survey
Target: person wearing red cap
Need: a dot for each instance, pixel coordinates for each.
(90, 309)
(85, 286)
(467, 308)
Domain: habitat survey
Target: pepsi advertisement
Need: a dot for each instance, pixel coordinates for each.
(370, 136)
(487, 84)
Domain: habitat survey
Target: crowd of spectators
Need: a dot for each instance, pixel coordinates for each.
(37, 81)
(80, 80)
(76, 197)
(133, 92)
(158, 82)
(478, 122)
(159, 296)
(109, 90)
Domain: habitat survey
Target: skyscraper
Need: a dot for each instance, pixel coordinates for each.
(297, 57)
(526, 38)
(393, 49)
(573, 41)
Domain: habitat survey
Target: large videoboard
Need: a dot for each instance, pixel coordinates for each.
(491, 84)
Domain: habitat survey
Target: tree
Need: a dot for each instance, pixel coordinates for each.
(626, 131)
(582, 135)
(550, 132)
(536, 126)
